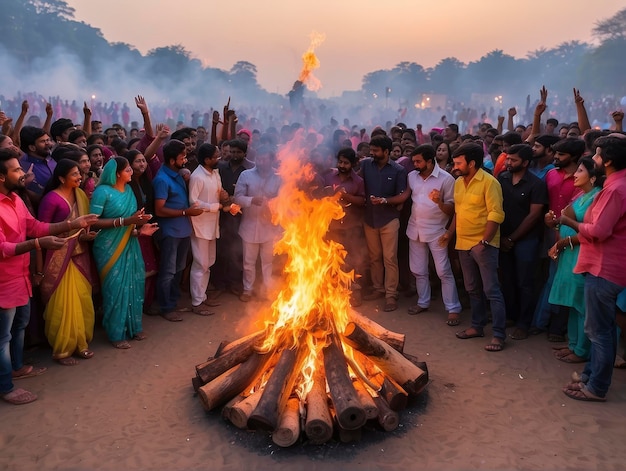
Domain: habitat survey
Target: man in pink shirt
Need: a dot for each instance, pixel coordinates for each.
(16, 223)
(602, 236)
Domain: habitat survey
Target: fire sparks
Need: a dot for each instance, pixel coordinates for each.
(310, 62)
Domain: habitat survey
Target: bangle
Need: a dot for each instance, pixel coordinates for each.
(571, 246)
(484, 242)
(39, 274)
(384, 200)
(184, 213)
(37, 244)
(121, 221)
(69, 224)
(114, 221)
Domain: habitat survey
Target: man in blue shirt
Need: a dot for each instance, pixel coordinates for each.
(384, 181)
(171, 205)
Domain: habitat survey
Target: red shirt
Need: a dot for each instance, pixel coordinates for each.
(602, 234)
(16, 223)
(561, 190)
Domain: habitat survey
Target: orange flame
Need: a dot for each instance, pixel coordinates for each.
(310, 62)
(315, 299)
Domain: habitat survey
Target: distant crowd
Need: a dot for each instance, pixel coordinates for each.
(521, 224)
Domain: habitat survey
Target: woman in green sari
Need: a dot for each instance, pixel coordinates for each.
(117, 252)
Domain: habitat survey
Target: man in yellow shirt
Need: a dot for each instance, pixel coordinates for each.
(477, 217)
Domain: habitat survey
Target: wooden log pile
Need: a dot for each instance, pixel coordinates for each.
(256, 388)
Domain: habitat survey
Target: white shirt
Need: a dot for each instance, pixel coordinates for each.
(204, 189)
(427, 221)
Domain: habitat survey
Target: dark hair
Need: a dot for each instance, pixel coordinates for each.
(347, 153)
(512, 138)
(122, 163)
(523, 150)
(361, 145)
(93, 147)
(454, 128)
(6, 155)
(75, 134)
(593, 171)
(472, 152)
(590, 137)
(206, 151)
(132, 154)
(384, 142)
(181, 134)
(612, 149)
(28, 136)
(61, 170)
(552, 121)
(67, 151)
(239, 144)
(120, 146)
(172, 149)
(59, 127)
(570, 145)
(427, 151)
(92, 138)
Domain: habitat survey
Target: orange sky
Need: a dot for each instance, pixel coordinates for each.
(361, 36)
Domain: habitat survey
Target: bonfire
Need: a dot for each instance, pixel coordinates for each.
(317, 368)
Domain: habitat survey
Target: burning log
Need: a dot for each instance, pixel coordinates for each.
(412, 378)
(350, 412)
(319, 423)
(383, 385)
(367, 401)
(226, 386)
(387, 418)
(277, 389)
(394, 339)
(231, 355)
(288, 430)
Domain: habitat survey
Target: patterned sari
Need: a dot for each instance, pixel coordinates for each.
(67, 285)
(118, 259)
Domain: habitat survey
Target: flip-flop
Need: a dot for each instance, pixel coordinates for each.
(199, 311)
(496, 345)
(184, 309)
(172, 316)
(140, 336)
(211, 302)
(464, 335)
(572, 358)
(583, 395)
(454, 319)
(19, 396)
(28, 371)
(67, 361)
(122, 345)
(85, 354)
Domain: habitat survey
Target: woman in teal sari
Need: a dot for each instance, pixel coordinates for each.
(117, 253)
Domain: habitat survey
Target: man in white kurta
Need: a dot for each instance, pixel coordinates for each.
(205, 191)
(253, 191)
(432, 193)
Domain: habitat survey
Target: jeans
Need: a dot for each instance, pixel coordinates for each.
(544, 311)
(480, 274)
(518, 281)
(13, 322)
(600, 327)
(418, 261)
(173, 260)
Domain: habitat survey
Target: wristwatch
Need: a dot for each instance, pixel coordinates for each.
(484, 242)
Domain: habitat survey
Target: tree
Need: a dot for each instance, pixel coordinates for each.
(611, 28)
(446, 75)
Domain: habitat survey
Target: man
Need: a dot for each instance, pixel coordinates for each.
(36, 145)
(561, 191)
(61, 129)
(524, 200)
(205, 191)
(432, 194)
(171, 205)
(602, 236)
(543, 155)
(551, 125)
(16, 224)
(385, 181)
(228, 270)
(349, 230)
(477, 218)
(255, 187)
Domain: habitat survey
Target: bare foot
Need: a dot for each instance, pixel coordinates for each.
(67, 361)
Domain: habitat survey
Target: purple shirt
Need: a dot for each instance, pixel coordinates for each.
(384, 183)
(42, 168)
(354, 186)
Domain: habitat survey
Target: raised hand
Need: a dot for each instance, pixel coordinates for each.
(543, 94)
(86, 109)
(512, 112)
(577, 98)
(141, 104)
(49, 110)
(618, 116)
(25, 107)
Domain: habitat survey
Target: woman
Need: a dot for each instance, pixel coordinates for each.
(568, 287)
(67, 284)
(96, 158)
(117, 253)
(144, 195)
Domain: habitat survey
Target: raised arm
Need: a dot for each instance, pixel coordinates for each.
(618, 117)
(539, 110)
(49, 114)
(583, 119)
(509, 125)
(15, 134)
(143, 107)
(87, 120)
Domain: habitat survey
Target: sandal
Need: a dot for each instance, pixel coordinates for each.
(562, 353)
(140, 336)
(67, 361)
(28, 371)
(211, 302)
(19, 396)
(198, 310)
(122, 345)
(583, 395)
(496, 345)
(85, 354)
(469, 334)
(454, 319)
(172, 316)
(572, 358)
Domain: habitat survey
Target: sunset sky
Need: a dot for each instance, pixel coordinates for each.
(361, 36)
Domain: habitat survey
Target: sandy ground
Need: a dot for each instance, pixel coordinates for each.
(136, 409)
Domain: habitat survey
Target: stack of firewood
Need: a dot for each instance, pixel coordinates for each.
(256, 386)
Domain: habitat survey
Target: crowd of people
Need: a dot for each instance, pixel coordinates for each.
(525, 223)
